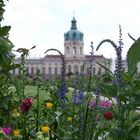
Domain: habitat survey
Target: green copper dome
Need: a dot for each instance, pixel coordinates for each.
(73, 33)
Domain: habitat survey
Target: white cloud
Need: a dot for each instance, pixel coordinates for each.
(43, 22)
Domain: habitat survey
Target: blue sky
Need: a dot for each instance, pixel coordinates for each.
(44, 22)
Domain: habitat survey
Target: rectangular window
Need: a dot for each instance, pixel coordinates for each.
(50, 70)
(55, 70)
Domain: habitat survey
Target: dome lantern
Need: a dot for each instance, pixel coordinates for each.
(73, 34)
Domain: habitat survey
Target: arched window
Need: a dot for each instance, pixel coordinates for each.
(76, 69)
(50, 70)
(55, 71)
(74, 50)
(69, 68)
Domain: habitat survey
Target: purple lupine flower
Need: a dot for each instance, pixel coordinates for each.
(78, 98)
(119, 64)
(62, 93)
(97, 92)
(7, 130)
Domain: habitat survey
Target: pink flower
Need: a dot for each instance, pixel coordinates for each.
(92, 104)
(26, 104)
(7, 130)
(105, 104)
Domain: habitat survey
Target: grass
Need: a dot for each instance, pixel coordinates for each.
(32, 91)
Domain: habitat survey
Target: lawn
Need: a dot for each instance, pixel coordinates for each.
(32, 91)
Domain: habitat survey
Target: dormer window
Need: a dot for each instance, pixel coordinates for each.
(81, 36)
(74, 35)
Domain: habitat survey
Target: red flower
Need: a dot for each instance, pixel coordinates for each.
(108, 115)
(26, 104)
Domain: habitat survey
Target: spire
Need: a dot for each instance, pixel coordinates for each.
(73, 24)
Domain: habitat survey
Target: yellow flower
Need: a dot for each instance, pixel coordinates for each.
(15, 113)
(49, 105)
(45, 129)
(16, 133)
(69, 119)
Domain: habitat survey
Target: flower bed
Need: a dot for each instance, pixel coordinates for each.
(76, 113)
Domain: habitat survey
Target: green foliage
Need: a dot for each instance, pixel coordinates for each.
(6, 46)
(133, 56)
(1, 9)
(4, 30)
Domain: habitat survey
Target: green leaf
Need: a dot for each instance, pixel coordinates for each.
(1, 12)
(136, 118)
(5, 45)
(108, 90)
(4, 30)
(134, 130)
(133, 56)
(14, 66)
(118, 133)
(106, 69)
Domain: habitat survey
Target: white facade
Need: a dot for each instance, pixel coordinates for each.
(50, 65)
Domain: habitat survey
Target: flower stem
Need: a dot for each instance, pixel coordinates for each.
(38, 108)
(85, 120)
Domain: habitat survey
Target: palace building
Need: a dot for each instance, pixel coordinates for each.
(50, 65)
